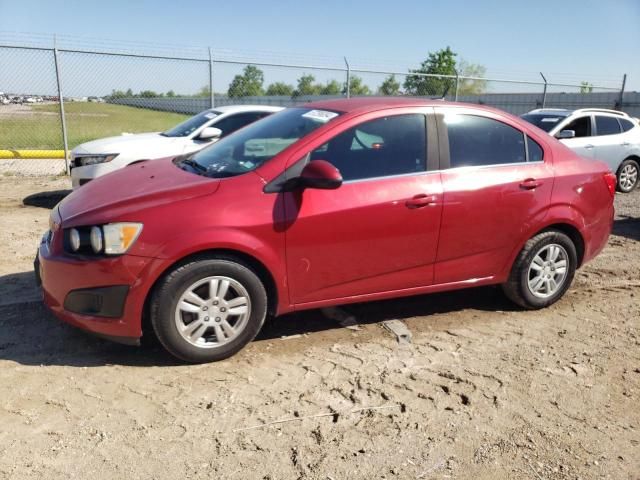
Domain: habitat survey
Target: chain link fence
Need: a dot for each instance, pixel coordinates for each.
(52, 100)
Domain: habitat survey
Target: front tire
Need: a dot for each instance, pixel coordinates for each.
(543, 271)
(208, 309)
(628, 175)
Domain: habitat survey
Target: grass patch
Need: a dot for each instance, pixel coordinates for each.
(85, 121)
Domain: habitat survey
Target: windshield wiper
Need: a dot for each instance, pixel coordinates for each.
(193, 164)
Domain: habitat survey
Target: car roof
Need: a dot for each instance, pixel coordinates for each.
(566, 112)
(245, 108)
(363, 104)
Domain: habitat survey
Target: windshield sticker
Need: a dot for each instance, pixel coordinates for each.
(210, 115)
(550, 119)
(322, 116)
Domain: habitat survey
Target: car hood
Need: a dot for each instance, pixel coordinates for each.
(125, 142)
(119, 195)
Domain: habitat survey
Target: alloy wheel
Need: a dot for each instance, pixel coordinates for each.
(212, 311)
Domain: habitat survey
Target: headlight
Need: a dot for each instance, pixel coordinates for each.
(95, 238)
(74, 239)
(118, 237)
(83, 160)
(109, 239)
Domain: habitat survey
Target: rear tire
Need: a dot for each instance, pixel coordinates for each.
(543, 271)
(628, 175)
(208, 309)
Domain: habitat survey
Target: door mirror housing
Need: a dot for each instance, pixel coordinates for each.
(320, 174)
(210, 133)
(566, 134)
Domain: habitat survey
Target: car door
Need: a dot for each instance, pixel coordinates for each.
(583, 142)
(496, 184)
(610, 144)
(379, 230)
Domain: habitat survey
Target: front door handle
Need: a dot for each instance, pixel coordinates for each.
(588, 147)
(530, 184)
(420, 201)
(625, 144)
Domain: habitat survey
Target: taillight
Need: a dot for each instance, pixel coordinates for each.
(611, 181)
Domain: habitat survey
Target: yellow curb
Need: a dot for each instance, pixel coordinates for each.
(31, 153)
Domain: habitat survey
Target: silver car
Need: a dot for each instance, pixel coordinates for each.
(607, 135)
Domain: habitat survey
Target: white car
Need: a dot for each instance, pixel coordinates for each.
(607, 135)
(99, 157)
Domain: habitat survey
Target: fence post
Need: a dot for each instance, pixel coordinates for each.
(544, 92)
(348, 86)
(624, 82)
(62, 116)
(211, 99)
(455, 98)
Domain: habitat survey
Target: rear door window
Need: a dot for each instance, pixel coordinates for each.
(478, 141)
(607, 125)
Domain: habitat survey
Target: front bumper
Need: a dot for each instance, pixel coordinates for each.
(86, 173)
(104, 296)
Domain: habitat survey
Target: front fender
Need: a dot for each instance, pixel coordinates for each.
(229, 239)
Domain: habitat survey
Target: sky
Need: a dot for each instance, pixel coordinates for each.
(569, 40)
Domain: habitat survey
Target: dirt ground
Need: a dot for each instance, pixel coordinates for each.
(484, 391)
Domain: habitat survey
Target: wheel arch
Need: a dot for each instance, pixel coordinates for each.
(573, 233)
(253, 263)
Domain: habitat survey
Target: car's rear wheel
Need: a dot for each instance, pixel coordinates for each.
(628, 174)
(543, 271)
(208, 309)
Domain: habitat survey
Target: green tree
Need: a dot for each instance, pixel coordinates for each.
(356, 87)
(468, 86)
(249, 84)
(149, 94)
(586, 87)
(332, 87)
(204, 92)
(117, 94)
(306, 86)
(171, 93)
(129, 93)
(390, 86)
(280, 88)
(442, 62)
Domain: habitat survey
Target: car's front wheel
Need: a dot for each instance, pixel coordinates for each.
(628, 174)
(543, 271)
(208, 309)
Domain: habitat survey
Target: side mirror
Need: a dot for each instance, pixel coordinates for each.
(210, 133)
(320, 174)
(566, 134)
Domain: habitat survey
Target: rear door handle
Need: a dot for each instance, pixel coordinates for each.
(588, 147)
(420, 201)
(530, 184)
(625, 144)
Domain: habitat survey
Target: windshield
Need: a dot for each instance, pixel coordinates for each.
(253, 145)
(191, 124)
(544, 121)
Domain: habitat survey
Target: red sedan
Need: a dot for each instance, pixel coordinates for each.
(331, 203)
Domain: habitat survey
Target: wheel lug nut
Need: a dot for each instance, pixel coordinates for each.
(204, 309)
(223, 309)
(206, 319)
(217, 319)
(215, 303)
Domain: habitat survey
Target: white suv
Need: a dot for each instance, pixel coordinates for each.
(607, 135)
(99, 157)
